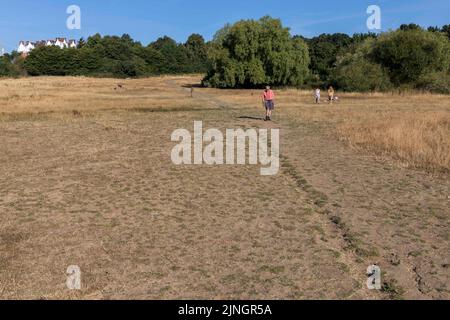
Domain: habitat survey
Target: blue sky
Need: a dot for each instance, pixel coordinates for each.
(146, 20)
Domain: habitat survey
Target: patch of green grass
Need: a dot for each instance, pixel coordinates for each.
(343, 267)
(204, 273)
(392, 288)
(175, 109)
(272, 269)
(353, 242)
(24, 116)
(414, 254)
(235, 249)
(318, 198)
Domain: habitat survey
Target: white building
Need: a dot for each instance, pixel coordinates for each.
(21, 48)
(61, 42)
(26, 46)
(73, 43)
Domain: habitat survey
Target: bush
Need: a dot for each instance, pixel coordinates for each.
(411, 53)
(437, 82)
(406, 58)
(354, 71)
(359, 74)
(8, 68)
(50, 61)
(324, 50)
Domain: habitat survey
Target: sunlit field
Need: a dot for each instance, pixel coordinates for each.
(86, 179)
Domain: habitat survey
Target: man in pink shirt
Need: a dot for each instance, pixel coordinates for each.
(269, 102)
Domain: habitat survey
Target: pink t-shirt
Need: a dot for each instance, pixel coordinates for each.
(268, 95)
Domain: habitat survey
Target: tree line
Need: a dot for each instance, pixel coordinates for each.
(254, 53)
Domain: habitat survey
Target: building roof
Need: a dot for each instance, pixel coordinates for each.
(47, 42)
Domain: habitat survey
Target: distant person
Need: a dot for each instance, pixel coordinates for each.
(317, 95)
(330, 94)
(269, 102)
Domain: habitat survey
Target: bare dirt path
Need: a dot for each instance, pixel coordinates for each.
(375, 213)
(330, 235)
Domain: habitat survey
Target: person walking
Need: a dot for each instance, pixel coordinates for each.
(317, 95)
(330, 94)
(269, 102)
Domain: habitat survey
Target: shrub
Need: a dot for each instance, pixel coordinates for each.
(356, 73)
(411, 53)
(437, 82)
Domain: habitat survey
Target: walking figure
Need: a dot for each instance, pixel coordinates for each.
(317, 95)
(268, 99)
(330, 95)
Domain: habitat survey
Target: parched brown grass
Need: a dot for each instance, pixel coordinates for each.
(86, 179)
(410, 127)
(31, 96)
(414, 138)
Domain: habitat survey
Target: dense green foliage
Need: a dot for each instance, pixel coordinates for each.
(255, 53)
(120, 57)
(356, 73)
(11, 65)
(438, 82)
(409, 57)
(410, 54)
(324, 50)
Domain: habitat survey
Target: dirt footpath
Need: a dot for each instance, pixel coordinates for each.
(372, 211)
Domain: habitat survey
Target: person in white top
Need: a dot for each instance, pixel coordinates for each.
(317, 95)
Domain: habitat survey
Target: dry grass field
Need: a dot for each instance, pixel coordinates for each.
(86, 179)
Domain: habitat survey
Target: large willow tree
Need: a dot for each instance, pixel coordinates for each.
(255, 53)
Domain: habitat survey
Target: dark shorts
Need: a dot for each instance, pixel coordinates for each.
(269, 105)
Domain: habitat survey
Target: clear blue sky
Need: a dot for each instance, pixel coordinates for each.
(146, 20)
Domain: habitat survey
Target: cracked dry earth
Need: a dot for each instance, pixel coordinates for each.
(98, 189)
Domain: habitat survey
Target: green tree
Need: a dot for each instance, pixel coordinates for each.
(411, 26)
(46, 61)
(446, 29)
(221, 34)
(81, 43)
(88, 61)
(153, 59)
(434, 29)
(410, 54)
(175, 56)
(5, 67)
(11, 65)
(253, 53)
(197, 53)
(355, 71)
(323, 51)
(438, 82)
